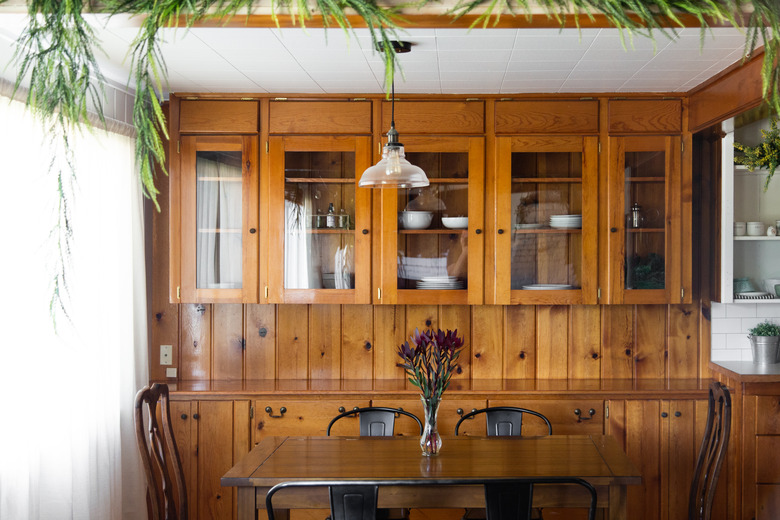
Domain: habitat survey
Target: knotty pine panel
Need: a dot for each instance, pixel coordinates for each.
(234, 341)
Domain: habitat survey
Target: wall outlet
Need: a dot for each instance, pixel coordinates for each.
(170, 372)
(166, 354)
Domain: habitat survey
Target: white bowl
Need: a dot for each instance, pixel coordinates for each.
(416, 219)
(455, 222)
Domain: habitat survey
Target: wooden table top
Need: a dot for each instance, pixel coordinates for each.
(597, 458)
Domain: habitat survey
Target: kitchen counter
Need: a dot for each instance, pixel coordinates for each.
(747, 372)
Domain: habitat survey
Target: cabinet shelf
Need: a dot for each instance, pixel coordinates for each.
(645, 230)
(221, 230)
(645, 179)
(449, 180)
(550, 180)
(443, 231)
(220, 179)
(546, 231)
(310, 180)
(340, 231)
(756, 238)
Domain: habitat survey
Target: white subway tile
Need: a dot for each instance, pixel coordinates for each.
(718, 341)
(747, 355)
(769, 310)
(726, 355)
(737, 342)
(718, 310)
(749, 323)
(726, 325)
(741, 310)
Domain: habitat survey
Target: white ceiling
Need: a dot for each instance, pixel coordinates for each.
(443, 61)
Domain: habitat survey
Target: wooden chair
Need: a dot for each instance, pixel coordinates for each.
(711, 454)
(504, 420)
(508, 499)
(375, 421)
(166, 493)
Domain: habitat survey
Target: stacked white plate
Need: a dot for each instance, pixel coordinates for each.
(566, 221)
(440, 282)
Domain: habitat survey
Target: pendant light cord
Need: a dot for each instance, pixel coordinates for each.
(392, 102)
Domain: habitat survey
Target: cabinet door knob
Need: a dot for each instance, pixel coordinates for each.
(342, 409)
(196, 416)
(270, 412)
(614, 229)
(664, 414)
(677, 414)
(365, 232)
(500, 231)
(252, 230)
(184, 416)
(478, 231)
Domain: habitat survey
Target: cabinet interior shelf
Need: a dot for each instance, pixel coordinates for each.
(546, 231)
(220, 230)
(756, 238)
(645, 230)
(443, 231)
(450, 180)
(337, 231)
(310, 180)
(543, 180)
(645, 179)
(220, 179)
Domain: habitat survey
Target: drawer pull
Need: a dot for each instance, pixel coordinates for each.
(184, 416)
(270, 412)
(578, 413)
(459, 411)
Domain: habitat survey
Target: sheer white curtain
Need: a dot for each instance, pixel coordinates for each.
(67, 448)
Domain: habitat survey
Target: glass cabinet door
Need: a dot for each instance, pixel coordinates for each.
(219, 219)
(645, 213)
(546, 223)
(320, 222)
(435, 231)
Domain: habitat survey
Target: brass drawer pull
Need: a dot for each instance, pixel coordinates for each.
(270, 412)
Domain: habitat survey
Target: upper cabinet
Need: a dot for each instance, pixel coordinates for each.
(647, 206)
(320, 222)
(215, 227)
(536, 201)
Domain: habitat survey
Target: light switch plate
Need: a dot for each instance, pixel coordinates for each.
(166, 354)
(170, 372)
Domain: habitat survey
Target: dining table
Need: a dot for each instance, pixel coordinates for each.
(597, 459)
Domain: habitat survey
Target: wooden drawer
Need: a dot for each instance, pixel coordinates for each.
(645, 116)
(302, 417)
(768, 415)
(320, 117)
(435, 117)
(561, 415)
(547, 117)
(233, 117)
(447, 419)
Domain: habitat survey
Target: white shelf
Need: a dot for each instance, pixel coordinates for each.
(756, 238)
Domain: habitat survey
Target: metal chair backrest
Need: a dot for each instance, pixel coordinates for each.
(504, 420)
(506, 499)
(376, 421)
(711, 454)
(166, 493)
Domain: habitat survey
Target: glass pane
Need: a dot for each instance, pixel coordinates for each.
(546, 220)
(433, 224)
(219, 220)
(645, 191)
(319, 238)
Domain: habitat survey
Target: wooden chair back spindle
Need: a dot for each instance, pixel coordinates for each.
(711, 454)
(166, 493)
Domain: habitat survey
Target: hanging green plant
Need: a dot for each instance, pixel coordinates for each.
(764, 156)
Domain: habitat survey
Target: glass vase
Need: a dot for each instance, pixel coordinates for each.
(430, 442)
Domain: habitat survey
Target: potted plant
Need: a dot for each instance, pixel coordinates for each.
(764, 341)
(429, 362)
(765, 155)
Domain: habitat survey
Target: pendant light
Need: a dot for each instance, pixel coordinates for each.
(393, 170)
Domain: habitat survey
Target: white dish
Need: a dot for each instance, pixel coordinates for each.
(752, 294)
(416, 219)
(547, 287)
(528, 226)
(455, 222)
(566, 225)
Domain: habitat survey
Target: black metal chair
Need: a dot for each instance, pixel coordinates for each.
(504, 420)
(375, 421)
(508, 499)
(166, 493)
(711, 454)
